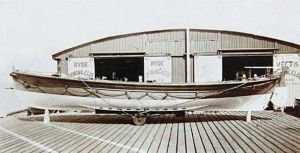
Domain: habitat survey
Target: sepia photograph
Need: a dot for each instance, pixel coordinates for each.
(164, 76)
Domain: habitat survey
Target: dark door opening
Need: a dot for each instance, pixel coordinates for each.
(123, 69)
(236, 64)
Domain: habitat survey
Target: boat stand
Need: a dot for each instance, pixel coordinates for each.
(248, 119)
(46, 116)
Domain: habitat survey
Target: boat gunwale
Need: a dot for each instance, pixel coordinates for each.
(128, 83)
(38, 82)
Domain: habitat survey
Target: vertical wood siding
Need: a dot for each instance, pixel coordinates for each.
(178, 70)
(173, 43)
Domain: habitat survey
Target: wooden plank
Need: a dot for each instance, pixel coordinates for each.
(260, 141)
(60, 143)
(122, 139)
(220, 138)
(181, 144)
(234, 136)
(16, 149)
(17, 146)
(242, 133)
(5, 137)
(290, 120)
(18, 143)
(116, 138)
(147, 143)
(268, 132)
(145, 135)
(58, 140)
(28, 134)
(228, 143)
(164, 142)
(152, 146)
(199, 146)
(286, 130)
(136, 137)
(214, 140)
(35, 151)
(77, 139)
(277, 139)
(10, 144)
(160, 140)
(85, 129)
(103, 135)
(279, 118)
(189, 137)
(204, 135)
(95, 132)
(55, 137)
(112, 137)
(80, 135)
(172, 148)
(38, 136)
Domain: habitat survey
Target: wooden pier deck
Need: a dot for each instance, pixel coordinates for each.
(197, 132)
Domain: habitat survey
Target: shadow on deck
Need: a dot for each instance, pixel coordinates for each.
(158, 119)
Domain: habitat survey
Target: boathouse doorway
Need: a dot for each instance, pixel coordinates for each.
(239, 64)
(120, 68)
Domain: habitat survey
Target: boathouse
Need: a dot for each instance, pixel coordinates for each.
(184, 55)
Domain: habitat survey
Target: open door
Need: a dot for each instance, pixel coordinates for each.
(234, 66)
(235, 60)
(119, 68)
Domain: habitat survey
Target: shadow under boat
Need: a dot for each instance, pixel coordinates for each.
(159, 119)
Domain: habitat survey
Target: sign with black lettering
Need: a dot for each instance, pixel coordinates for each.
(158, 69)
(292, 79)
(81, 68)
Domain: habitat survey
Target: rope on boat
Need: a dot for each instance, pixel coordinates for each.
(146, 94)
(115, 95)
(95, 93)
(27, 85)
(72, 94)
(213, 94)
(99, 94)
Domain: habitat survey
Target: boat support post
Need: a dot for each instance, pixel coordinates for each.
(248, 119)
(46, 116)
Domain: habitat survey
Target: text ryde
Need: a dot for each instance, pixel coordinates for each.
(158, 69)
(81, 68)
(80, 64)
(157, 63)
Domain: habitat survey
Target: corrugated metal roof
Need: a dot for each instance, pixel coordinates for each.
(54, 56)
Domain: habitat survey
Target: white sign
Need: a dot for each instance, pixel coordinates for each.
(158, 69)
(207, 68)
(292, 79)
(81, 68)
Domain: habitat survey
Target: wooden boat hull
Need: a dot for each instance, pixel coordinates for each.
(48, 92)
(63, 102)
